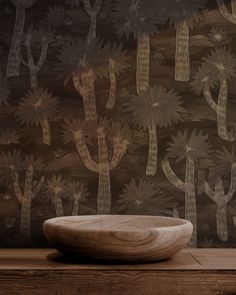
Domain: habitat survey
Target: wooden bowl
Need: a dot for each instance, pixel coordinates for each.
(118, 237)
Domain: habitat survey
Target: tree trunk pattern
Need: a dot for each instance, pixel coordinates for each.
(234, 220)
(231, 17)
(46, 131)
(233, 7)
(26, 198)
(92, 29)
(16, 186)
(86, 158)
(152, 154)
(189, 189)
(118, 154)
(103, 167)
(221, 221)
(104, 189)
(171, 176)
(59, 206)
(222, 110)
(143, 63)
(112, 92)
(84, 84)
(13, 63)
(33, 79)
(221, 199)
(75, 209)
(25, 219)
(34, 68)
(190, 199)
(92, 11)
(209, 98)
(182, 62)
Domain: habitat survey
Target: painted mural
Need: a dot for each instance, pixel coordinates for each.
(118, 107)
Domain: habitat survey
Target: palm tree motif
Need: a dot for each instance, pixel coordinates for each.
(217, 36)
(55, 16)
(8, 137)
(81, 62)
(141, 196)
(182, 14)
(37, 108)
(92, 8)
(12, 165)
(230, 16)
(112, 138)
(56, 189)
(118, 62)
(139, 18)
(78, 192)
(155, 107)
(58, 17)
(13, 63)
(216, 69)
(4, 90)
(215, 188)
(35, 38)
(192, 147)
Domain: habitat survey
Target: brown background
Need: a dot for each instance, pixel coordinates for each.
(63, 159)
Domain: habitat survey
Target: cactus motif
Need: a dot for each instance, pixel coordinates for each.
(77, 191)
(13, 63)
(92, 10)
(12, 166)
(117, 135)
(216, 69)
(56, 190)
(31, 38)
(226, 161)
(190, 147)
(230, 16)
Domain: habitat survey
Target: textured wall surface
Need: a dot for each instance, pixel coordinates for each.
(122, 107)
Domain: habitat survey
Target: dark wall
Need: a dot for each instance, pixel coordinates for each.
(122, 107)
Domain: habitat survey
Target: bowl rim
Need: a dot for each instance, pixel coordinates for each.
(184, 223)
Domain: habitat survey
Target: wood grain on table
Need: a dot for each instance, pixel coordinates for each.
(45, 271)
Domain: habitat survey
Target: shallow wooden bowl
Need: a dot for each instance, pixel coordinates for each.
(118, 237)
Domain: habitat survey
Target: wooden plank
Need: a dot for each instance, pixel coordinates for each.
(25, 259)
(215, 258)
(117, 282)
(44, 271)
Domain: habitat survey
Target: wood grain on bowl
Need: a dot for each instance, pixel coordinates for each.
(118, 237)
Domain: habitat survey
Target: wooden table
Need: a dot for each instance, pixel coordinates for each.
(44, 271)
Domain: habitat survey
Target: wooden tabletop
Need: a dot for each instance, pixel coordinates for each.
(188, 259)
(45, 271)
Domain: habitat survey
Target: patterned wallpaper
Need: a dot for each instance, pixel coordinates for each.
(117, 106)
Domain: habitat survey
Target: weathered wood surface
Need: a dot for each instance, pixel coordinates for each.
(118, 237)
(45, 271)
